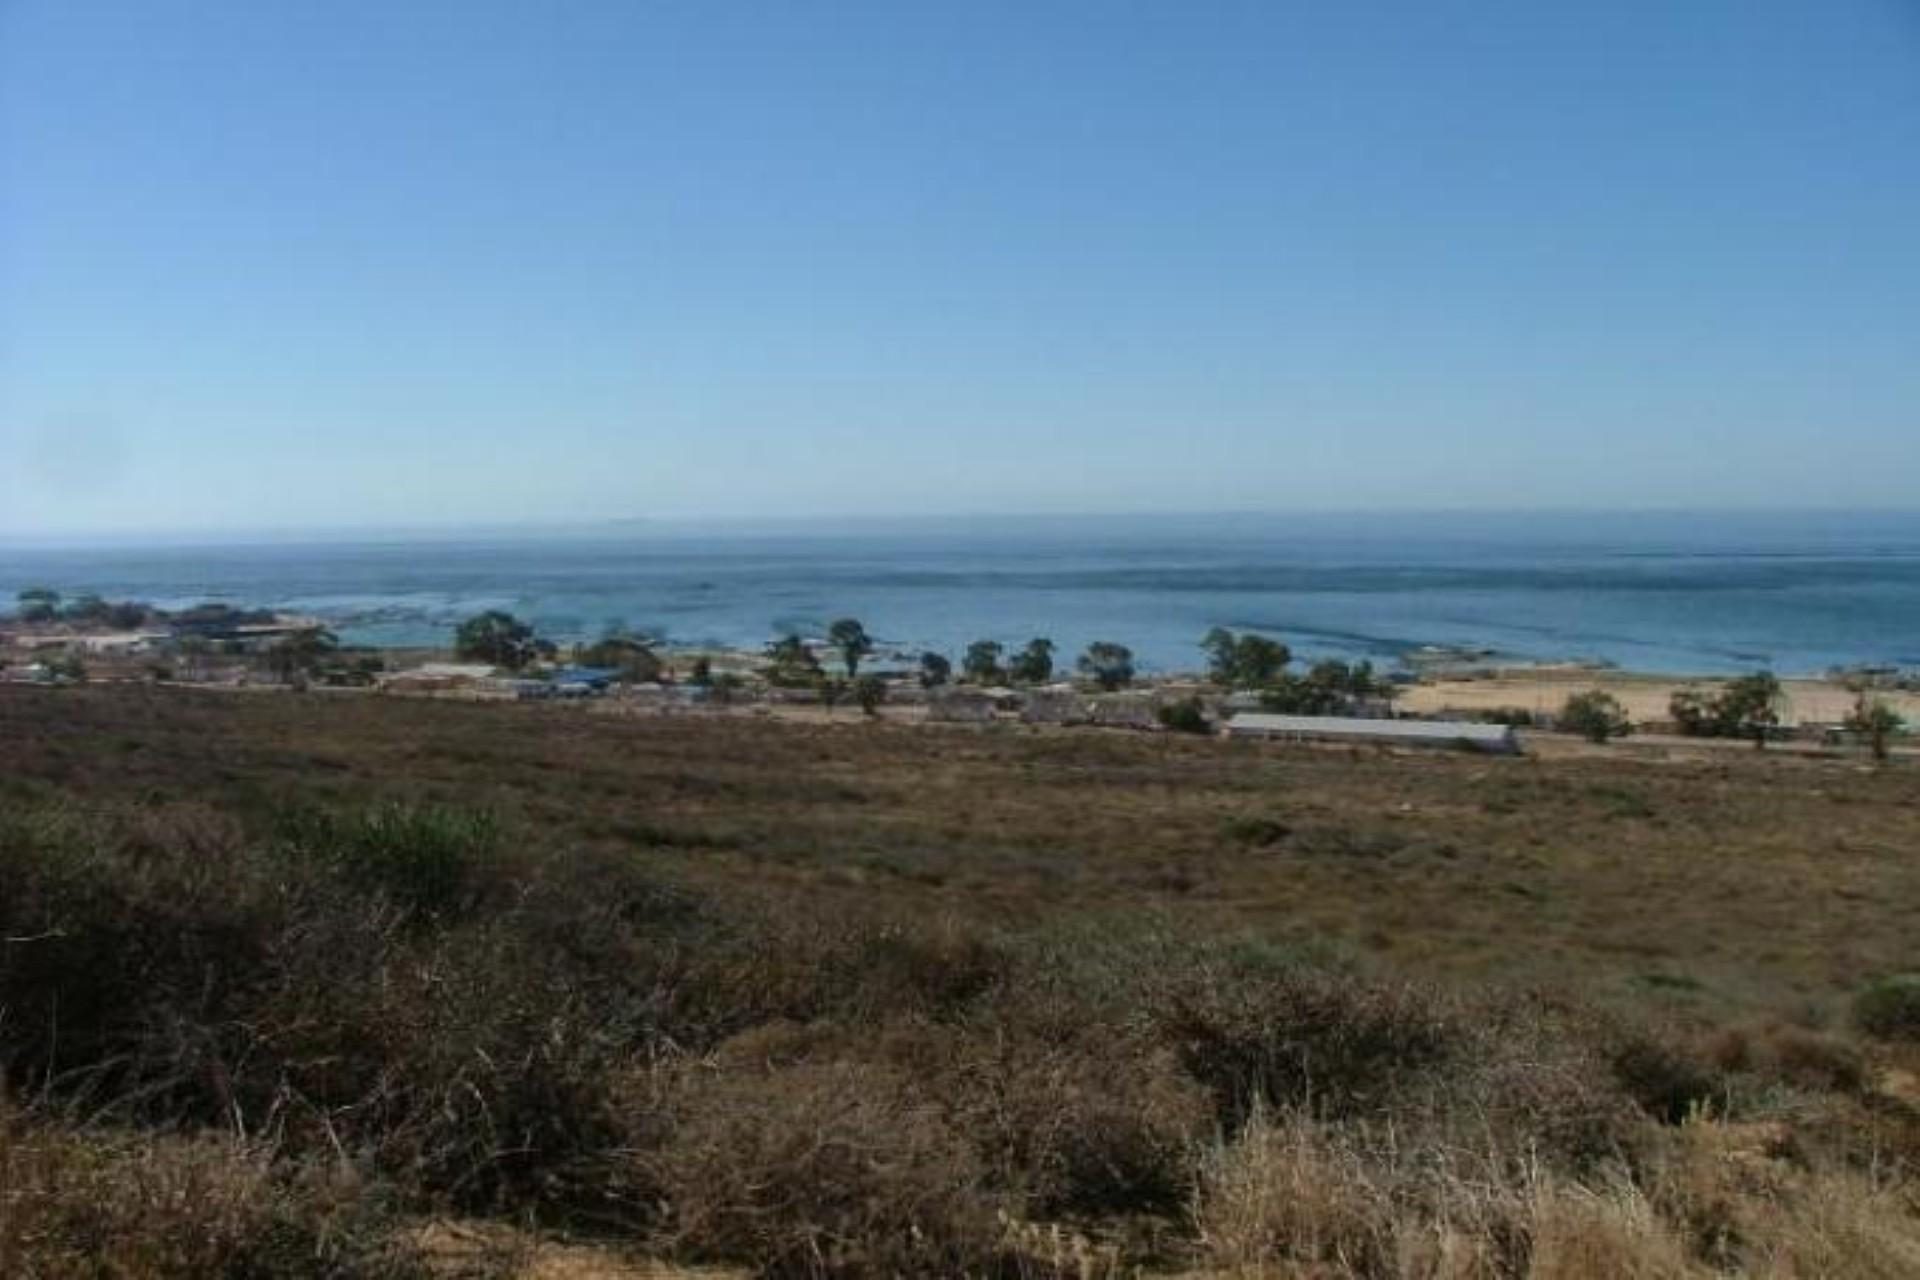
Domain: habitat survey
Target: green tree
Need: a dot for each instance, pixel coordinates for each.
(498, 637)
(1302, 696)
(1329, 688)
(1033, 664)
(981, 664)
(1875, 721)
(38, 604)
(1749, 706)
(1693, 714)
(702, 673)
(1107, 664)
(1595, 715)
(853, 642)
(935, 670)
(1219, 646)
(631, 656)
(870, 691)
(832, 691)
(88, 609)
(1243, 661)
(301, 654)
(791, 664)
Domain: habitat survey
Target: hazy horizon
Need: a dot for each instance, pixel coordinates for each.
(274, 268)
(1634, 523)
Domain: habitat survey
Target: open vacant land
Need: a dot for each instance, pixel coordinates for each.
(861, 998)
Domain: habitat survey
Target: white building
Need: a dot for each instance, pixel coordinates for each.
(1497, 738)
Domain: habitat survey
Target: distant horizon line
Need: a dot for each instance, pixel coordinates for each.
(429, 530)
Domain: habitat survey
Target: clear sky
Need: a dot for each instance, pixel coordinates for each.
(357, 261)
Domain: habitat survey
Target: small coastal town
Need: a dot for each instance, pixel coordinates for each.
(1250, 685)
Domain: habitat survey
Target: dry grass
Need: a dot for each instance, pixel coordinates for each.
(90, 1202)
(285, 977)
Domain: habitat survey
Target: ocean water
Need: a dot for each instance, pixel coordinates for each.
(1698, 593)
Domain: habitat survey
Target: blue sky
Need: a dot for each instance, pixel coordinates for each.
(287, 265)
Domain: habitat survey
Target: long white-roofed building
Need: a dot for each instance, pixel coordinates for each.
(1497, 738)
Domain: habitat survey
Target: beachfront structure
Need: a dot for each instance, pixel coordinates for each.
(1056, 704)
(1124, 711)
(587, 679)
(1497, 738)
(960, 706)
(438, 677)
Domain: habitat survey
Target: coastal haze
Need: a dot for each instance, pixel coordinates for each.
(1705, 594)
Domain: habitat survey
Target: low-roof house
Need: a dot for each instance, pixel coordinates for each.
(1420, 733)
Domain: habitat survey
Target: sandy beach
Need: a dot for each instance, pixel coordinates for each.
(1645, 697)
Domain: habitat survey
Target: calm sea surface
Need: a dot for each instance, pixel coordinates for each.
(1723, 593)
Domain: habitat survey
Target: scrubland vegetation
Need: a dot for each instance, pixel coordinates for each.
(285, 980)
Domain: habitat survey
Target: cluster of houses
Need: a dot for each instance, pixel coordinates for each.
(226, 647)
(1061, 703)
(217, 637)
(567, 682)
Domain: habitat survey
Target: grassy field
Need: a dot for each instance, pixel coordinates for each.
(290, 976)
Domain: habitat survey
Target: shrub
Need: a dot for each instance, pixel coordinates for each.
(1107, 664)
(1255, 830)
(172, 971)
(1746, 707)
(820, 1169)
(499, 638)
(429, 860)
(1890, 1007)
(1307, 1038)
(100, 1203)
(1185, 716)
(1668, 1082)
(1595, 715)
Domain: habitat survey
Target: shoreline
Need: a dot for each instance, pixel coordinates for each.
(1434, 683)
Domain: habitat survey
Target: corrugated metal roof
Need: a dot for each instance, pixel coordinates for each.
(1437, 731)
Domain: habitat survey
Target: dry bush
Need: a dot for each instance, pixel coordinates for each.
(1577, 1233)
(1079, 1128)
(1307, 1038)
(1745, 1208)
(272, 988)
(827, 1168)
(825, 1082)
(1800, 1056)
(1292, 1196)
(1282, 1193)
(99, 1203)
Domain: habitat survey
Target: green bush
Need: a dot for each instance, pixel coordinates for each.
(1890, 1007)
(1595, 715)
(426, 859)
(1185, 716)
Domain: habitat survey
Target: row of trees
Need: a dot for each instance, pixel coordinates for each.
(43, 604)
(1250, 661)
(1746, 707)
(985, 662)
